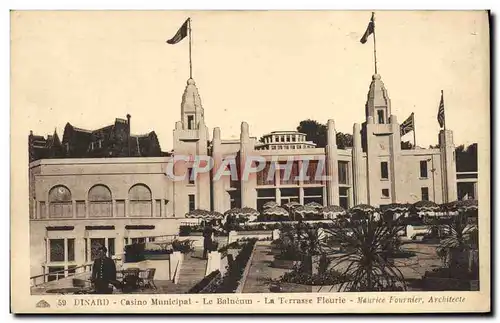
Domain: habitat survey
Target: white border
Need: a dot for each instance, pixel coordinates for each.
(151, 5)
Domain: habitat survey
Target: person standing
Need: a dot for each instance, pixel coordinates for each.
(103, 272)
(207, 240)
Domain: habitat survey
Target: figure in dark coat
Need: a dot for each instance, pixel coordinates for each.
(207, 240)
(103, 272)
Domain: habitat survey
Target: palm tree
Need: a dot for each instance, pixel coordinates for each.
(366, 265)
(462, 235)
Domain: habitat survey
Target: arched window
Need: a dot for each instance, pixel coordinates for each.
(100, 202)
(140, 201)
(60, 204)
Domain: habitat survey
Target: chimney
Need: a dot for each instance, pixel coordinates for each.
(128, 134)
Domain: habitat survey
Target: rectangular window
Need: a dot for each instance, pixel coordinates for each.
(380, 115)
(190, 122)
(425, 193)
(343, 172)
(423, 169)
(385, 193)
(71, 249)
(384, 170)
(56, 250)
(190, 175)
(287, 138)
(111, 246)
(344, 197)
(192, 205)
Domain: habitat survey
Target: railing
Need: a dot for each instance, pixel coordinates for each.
(60, 274)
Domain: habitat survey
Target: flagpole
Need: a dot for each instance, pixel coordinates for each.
(414, 136)
(190, 61)
(374, 43)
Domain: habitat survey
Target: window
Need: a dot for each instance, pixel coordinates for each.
(294, 138)
(111, 246)
(287, 138)
(60, 204)
(380, 115)
(423, 169)
(56, 250)
(343, 172)
(192, 203)
(71, 249)
(385, 193)
(190, 122)
(100, 202)
(344, 197)
(384, 170)
(190, 175)
(140, 201)
(425, 193)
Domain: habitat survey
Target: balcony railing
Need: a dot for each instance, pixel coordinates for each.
(38, 280)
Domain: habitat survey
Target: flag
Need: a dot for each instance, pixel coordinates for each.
(369, 30)
(181, 33)
(408, 125)
(440, 115)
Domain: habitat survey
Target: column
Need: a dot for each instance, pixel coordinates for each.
(301, 195)
(153, 207)
(73, 208)
(448, 165)
(114, 213)
(397, 187)
(37, 210)
(65, 256)
(47, 250)
(475, 191)
(203, 179)
(358, 178)
(89, 251)
(127, 208)
(217, 183)
(331, 160)
(248, 184)
(87, 208)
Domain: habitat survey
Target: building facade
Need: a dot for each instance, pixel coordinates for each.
(108, 187)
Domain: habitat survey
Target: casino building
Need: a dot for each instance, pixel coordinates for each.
(109, 187)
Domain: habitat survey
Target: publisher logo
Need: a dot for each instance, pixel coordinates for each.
(42, 304)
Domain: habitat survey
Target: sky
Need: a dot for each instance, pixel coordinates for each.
(270, 69)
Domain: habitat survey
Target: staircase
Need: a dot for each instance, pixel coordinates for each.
(192, 270)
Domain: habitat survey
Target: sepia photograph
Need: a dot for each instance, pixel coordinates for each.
(329, 156)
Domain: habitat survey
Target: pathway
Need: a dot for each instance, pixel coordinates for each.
(261, 271)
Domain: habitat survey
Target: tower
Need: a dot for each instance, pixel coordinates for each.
(383, 146)
(191, 143)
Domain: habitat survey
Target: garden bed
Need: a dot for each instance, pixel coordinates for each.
(285, 263)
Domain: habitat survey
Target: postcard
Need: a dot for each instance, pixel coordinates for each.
(250, 161)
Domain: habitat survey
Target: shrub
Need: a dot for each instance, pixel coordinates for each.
(185, 246)
(330, 277)
(235, 271)
(207, 284)
(134, 252)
